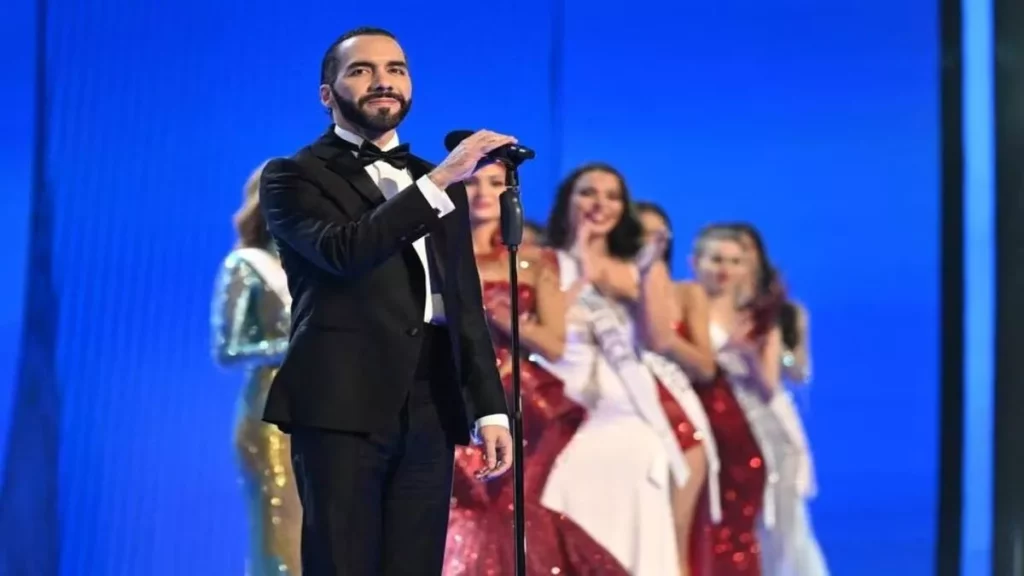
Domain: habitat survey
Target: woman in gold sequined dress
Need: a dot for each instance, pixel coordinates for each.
(250, 323)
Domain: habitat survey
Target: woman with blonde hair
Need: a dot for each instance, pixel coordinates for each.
(250, 321)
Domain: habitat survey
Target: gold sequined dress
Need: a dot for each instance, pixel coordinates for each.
(250, 323)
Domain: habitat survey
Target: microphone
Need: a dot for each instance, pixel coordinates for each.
(514, 154)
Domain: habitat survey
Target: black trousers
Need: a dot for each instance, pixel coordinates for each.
(377, 504)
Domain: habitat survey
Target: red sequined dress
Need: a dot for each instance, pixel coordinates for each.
(686, 433)
(729, 548)
(480, 538)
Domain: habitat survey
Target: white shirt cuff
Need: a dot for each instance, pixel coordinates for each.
(492, 420)
(437, 198)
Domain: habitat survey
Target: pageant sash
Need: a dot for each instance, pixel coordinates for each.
(615, 340)
(789, 417)
(678, 385)
(741, 368)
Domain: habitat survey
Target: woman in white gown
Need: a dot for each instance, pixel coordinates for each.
(615, 478)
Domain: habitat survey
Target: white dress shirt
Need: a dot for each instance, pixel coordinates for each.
(391, 181)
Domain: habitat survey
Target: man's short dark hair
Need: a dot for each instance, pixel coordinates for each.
(330, 66)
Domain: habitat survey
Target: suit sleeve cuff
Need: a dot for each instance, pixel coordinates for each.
(437, 198)
(492, 420)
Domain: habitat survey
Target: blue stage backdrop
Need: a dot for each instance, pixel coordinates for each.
(17, 99)
(819, 123)
(816, 121)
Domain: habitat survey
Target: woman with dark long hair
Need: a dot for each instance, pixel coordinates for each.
(779, 327)
(764, 297)
(728, 545)
(674, 324)
(250, 320)
(616, 477)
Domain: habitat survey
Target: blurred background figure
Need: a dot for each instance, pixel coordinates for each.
(727, 546)
(674, 321)
(616, 476)
(479, 542)
(789, 546)
(250, 323)
(764, 284)
(735, 403)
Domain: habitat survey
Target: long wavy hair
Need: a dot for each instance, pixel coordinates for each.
(624, 240)
(248, 219)
(769, 299)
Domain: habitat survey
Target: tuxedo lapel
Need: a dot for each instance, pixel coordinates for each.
(339, 157)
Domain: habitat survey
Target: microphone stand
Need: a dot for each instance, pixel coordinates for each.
(512, 237)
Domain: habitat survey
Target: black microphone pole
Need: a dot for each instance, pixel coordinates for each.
(512, 237)
(511, 156)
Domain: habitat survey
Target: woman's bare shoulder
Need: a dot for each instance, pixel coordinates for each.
(689, 290)
(690, 296)
(539, 260)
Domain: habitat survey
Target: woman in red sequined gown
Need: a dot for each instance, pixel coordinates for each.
(729, 547)
(480, 539)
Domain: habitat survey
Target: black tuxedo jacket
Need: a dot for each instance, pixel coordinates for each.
(358, 295)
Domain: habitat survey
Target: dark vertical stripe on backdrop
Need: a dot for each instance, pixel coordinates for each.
(29, 517)
(1008, 455)
(951, 428)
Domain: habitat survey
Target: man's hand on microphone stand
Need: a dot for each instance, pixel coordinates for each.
(464, 159)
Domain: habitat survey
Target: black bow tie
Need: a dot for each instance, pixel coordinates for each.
(397, 156)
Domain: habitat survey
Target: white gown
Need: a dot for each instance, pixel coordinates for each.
(789, 547)
(613, 479)
(788, 544)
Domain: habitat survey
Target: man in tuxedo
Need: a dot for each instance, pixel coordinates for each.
(390, 363)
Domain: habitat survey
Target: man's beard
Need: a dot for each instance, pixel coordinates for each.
(377, 122)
